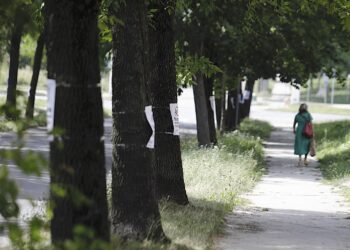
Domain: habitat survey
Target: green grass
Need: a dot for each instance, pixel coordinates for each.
(333, 152)
(333, 149)
(316, 108)
(256, 128)
(214, 179)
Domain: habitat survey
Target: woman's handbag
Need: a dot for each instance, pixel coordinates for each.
(313, 148)
(308, 131)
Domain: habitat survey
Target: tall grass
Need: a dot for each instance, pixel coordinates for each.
(255, 128)
(333, 144)
(214, 179)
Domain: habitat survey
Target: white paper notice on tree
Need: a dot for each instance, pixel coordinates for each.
(51, 95)
(213, 106)
(174, 110)
(150, 119)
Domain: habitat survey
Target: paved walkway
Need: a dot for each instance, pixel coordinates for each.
(291, 208)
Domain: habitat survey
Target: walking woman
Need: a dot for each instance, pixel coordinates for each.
(302, 143)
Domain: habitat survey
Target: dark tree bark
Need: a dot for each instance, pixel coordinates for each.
(13, 71)
(223, 106)
(208, 84)
(135, 212)
(36, 70)
(230, 113)
(77, 163)
(168, 163)
(247, 102)
(201, 105)
(218, 112)
(239, 105)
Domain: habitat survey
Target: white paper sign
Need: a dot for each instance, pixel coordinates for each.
(51, 96)
(246, 95)
(150, 119)
(213, 106)
(174, 110)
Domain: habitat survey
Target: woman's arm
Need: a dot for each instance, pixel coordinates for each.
(295, 122)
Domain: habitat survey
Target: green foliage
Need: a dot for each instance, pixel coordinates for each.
(6, 126)
(187, 67)
(28, 47)
(30, 163)
(256, 128)
(8, 194)
(39, 119)
(262, 38)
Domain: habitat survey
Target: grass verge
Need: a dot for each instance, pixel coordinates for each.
(214, 179)
(256, 128)
(333, 152)
(319, 108)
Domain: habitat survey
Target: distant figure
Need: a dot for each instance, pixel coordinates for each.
(301, 144)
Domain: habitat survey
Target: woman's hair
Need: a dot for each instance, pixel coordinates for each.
(303, 108)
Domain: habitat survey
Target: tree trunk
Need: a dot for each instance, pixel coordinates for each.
(11, 112)
(223, 106)
(218, 112)
(168, 165)
(208, 85)
(230, 113)
(135, 212)
(248, 95)
(238, 106)
(77, 163)
(203, 132)
(36, 70)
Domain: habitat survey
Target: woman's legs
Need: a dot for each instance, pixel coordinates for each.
(299, 163)
(305, 160)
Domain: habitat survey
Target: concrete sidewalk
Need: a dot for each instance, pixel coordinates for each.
(291, 208)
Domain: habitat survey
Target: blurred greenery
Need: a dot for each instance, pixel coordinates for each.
(256, 128)
(29, 163)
